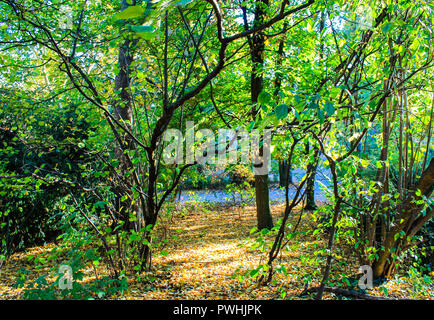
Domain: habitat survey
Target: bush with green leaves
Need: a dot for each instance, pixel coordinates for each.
(37, 163)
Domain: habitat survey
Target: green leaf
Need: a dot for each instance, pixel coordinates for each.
(130, 13)
(281, 111)
(387, 27)
(146, 32)
(320, 116)
(100, 204)
(313, 105)
(137, 267)
(254, 273)
(329, 108)
(415, 45)
(264, 98)
(310, 26)
(265, 231)
(183, 2)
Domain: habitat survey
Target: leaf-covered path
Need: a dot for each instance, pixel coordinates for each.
(209, 249)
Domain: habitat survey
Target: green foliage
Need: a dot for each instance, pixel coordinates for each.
(41, 289)
(84, 109)
(37, 158)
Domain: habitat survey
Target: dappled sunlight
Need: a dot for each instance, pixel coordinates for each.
(180, 149)
(204, 260)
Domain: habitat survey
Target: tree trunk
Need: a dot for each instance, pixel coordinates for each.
(406, 222)
(310, 183)
(263, 210)
(284, 169)
(122, 112)
(284, 172)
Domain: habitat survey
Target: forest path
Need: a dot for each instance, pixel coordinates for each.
(211, 246)
(201, 262)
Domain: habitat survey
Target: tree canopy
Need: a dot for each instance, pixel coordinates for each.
(110, 110)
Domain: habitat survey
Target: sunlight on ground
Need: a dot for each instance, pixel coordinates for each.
(202, 261)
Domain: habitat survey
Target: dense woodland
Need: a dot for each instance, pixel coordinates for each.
(339, 93)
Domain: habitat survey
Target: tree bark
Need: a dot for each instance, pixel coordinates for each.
(284, 169)
(263, 210)
(406, 221)
(284, 172)
(310, 183)
(122, 112)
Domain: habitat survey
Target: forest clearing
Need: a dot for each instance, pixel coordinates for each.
(216, 150)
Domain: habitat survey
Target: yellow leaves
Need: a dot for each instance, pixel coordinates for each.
(310, 26)
(400, 49)
(203, 262)
(415, 45)
(364, 163)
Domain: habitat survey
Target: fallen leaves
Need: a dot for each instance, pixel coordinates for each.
(211, 247)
